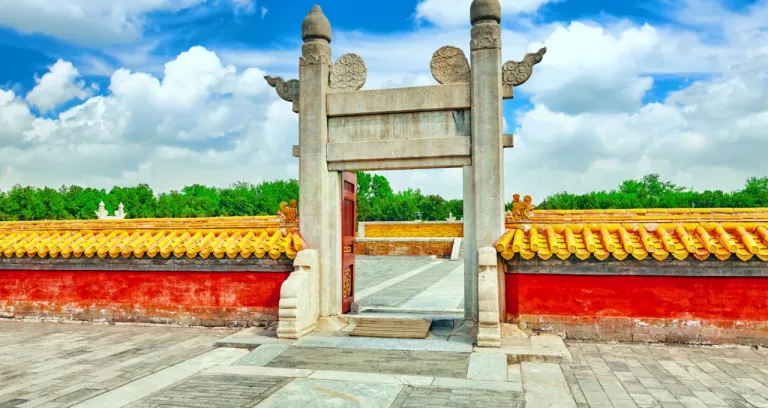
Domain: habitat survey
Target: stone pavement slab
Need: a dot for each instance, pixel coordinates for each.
(372, 343)
(421, 363)
(312, 393)
(487, 367)
(61, 365)
(155, 382)
(545, 386)
(220, 391)
(544, 348)
(262, 354)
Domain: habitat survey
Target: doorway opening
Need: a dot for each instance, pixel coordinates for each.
(408, 245)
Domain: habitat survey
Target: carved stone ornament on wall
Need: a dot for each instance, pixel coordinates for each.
(485, 35)
(315, 53)
(348, 73)
(449, 65)
(516, 73)
(288, 91)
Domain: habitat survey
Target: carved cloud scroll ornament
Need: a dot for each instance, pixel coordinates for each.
(485, 35)
(516, 73)
(348, 73)
(289, 91)
(449, 65)
(315, 53)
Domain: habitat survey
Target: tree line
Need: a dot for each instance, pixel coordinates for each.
(377, 201)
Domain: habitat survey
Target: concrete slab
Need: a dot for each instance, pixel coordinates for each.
(314, 393)
(384, 344)
(262, 355)
(539, 349)
(545, 386)
(251, 338)
(487, 367)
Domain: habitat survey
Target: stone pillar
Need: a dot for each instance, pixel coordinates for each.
(470, 248)
(487, 128)
(317, 222)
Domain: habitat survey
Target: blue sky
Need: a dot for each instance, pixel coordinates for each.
(145, 91)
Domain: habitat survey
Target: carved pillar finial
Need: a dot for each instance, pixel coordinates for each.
(485, 10)
(316, 26)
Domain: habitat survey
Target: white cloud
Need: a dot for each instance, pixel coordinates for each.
(451, 13)
(14, 117)
(245, 6)
(198, 119)
(200, 122)
(89, 22)
(60, 84)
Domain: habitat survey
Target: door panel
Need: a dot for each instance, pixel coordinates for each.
(348, 234)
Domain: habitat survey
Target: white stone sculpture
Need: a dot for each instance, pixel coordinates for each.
(300, 297)
(103, 214)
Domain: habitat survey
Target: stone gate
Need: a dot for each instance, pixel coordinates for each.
(457, 123)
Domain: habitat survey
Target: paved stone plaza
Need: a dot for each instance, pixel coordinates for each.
(90, 365)
(409, 283)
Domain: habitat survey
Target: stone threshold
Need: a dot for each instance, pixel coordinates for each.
(442, 338)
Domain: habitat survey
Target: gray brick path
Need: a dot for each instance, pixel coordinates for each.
(417, 397)
(221, 391)
(639, 375)
(423, 363)
(59, 365)
(371, 271)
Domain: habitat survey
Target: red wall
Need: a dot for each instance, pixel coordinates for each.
(195, 297)
(705, 298)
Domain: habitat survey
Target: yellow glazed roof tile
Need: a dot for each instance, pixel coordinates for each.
(738, 234)
(199, 237)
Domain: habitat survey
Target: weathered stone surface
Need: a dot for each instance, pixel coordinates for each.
(517, 73)
(449, 65)
(489, 329)
(400, 126)
(316, 26)
(401, 154)
(485, 10)
(300, 297)
(416, 99)
(287, 90)
(348, 73)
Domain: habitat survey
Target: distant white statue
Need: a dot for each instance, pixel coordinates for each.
(103, 214)
(451, 218)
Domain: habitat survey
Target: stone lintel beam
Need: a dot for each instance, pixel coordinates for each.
(295, 151)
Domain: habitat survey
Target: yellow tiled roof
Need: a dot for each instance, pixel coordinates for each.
(699, 233)
(193, 237)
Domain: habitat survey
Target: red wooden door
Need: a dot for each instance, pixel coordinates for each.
(348, 228)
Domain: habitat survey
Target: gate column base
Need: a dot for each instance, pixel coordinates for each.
(489, 326)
